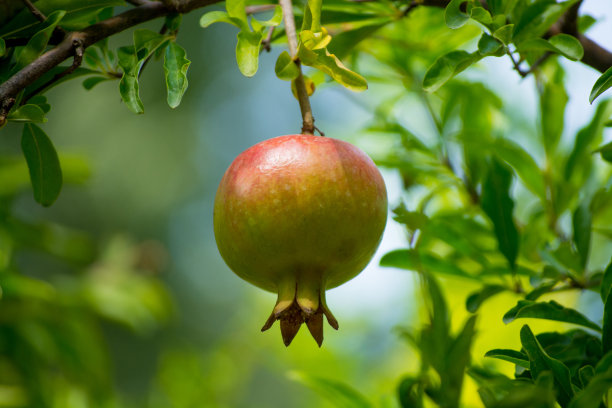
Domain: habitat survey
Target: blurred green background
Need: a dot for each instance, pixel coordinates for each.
(161, 321)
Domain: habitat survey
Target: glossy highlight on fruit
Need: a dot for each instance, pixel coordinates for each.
(296, 215)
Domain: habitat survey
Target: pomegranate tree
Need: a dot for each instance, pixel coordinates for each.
(296, 215)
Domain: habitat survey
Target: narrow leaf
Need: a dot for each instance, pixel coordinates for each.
(582, 223)
(336, 392)
(2, 47)
(513, 356)
(220, 17)
(605, 151)
(498, 205)
(175, 70)
(603, 83)
(329, 64)
(606, 338)
(606, 283)
(550, 311)
(128, 86)
(43, 163)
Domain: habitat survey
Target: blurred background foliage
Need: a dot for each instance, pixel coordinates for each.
(116, 296)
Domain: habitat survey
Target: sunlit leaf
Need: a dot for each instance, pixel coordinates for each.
(332, 66)
(538, 17)
(285, 67)
(563, 44)
(247, 52)
(481, 15)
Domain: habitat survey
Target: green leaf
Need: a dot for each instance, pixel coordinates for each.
(337, 393)
(606, 152)
(446, 67)
(408, 393)
(606, 282)
(481, 15)
(90, 82)
(539, 362)
(603, 83)
(43, 163)
(504, 33)
(606, 338)
(586, 374)
(236, 9)
(488, 45)
(28, 113)
(128, 86)
(457, 360)
(512, 356)
(498, 205)
(38, 43)
(146, 42)
(79, 14)
(550, 311)
(476, 299)
(538, 17)
(221, 17)
(587, 136)
(525, 166)
(285, 67)
(175, 71)
(553, 100)
(329, 64)
(453, 15)
(2, 47)
(315, 12)
(582, 223)
(247, 52)
(413, 260)
(591, 396)
(563, 44)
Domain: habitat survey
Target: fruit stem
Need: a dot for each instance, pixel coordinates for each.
(308, 126)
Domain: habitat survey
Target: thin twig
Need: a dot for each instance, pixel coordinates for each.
(42, 18)
(265, 44)
(259, 8)
(35, 12)
(308, 126)
(79, 50)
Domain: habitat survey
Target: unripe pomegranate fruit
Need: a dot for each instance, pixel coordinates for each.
(296, 215)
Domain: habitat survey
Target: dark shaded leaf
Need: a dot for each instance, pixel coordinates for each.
(488, 45)
(606, 282)
(540, 362)
(591, 396)
(582, 222)
(43, 163)
(90, 82)
(606, 337)
(38, 43)
(408, 393)
(498, 205)
(550, 311)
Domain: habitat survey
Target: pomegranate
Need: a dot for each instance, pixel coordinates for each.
(296, 215)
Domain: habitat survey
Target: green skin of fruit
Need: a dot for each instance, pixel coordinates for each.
(296, 215)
